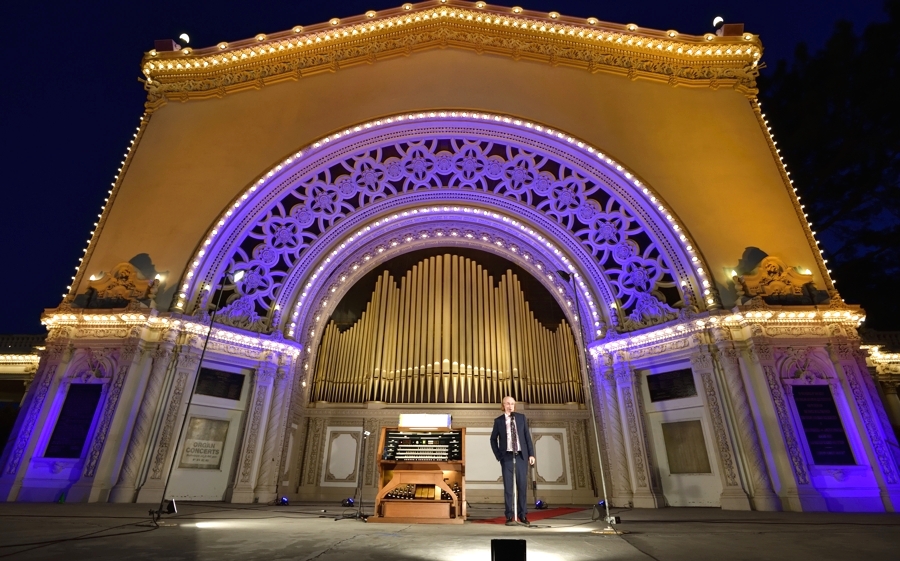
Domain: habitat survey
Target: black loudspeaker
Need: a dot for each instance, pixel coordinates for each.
(507, 550)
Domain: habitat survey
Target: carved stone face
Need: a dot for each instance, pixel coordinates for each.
(772, 269)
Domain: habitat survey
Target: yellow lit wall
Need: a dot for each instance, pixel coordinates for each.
(701, 149)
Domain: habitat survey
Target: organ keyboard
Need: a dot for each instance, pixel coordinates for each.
(421, 476)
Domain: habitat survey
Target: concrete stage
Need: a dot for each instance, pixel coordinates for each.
(224, 532)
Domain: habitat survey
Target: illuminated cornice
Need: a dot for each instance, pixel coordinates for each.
(774, 322)
(107, 321)
(19, 360)
(705, 61)
(886, 365)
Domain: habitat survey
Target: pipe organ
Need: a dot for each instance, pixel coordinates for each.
(447, 334)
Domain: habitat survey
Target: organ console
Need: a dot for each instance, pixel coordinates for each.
(421, 476)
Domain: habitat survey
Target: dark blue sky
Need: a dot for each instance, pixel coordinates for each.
(71, 100)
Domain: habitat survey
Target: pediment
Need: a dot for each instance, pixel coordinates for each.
(677, 59)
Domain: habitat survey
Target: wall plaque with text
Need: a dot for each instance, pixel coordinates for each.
(216, 383)
(74, 421)
(822, 426)
(204, 443)
(671, 385)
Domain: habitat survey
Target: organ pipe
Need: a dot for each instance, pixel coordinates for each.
(447, 334)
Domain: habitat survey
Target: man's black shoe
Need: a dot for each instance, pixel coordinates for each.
(525, 521)
(510, 522)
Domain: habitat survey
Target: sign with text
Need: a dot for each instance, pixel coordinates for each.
(204, 444)
(822, 426)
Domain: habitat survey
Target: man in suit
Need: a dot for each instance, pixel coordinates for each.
(511, 438)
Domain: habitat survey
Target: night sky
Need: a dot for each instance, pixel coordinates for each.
(71, 100)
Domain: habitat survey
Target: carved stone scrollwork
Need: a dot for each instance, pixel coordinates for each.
(701, 360)
(140, 434)
(437, 32)
(746, 425)
(252, 434)
(315, 442)
(371, 425)
(124, 284)
(798, 464)
(760, 352)
(884, 455)
(27, 427)
(774, 278)
(113, 392)
(168, 429)
(715, 411)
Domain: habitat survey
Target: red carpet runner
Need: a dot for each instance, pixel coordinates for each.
(533, 515)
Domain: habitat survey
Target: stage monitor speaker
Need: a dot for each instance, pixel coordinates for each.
(507, 550)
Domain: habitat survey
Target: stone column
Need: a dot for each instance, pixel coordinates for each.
(892, 404)
(619, 472)
(151, 490)
(873, 426)
(797, 492)
(96, 476)
(763, 496)
(645, 492)
(21, 445)
(266, 484)
(733, 496)
(125, 488)
(242, 490)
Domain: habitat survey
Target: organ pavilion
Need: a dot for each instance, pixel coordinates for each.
(424, 209)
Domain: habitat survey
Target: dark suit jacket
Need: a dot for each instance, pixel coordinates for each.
(498, 436)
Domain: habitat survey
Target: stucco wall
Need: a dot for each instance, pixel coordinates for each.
(702, 149)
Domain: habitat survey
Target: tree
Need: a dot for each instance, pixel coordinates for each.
(836, 117)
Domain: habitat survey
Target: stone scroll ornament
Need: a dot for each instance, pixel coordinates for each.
(626, 248)
(772, 278)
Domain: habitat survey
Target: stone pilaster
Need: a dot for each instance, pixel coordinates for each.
(763, 497)
(644, 488)
(619, 472)
(733, 496)
(243, 487)
(267, 483)
(797, 492)
(176, 397)
(872, 421)
(21, 444)
(125, 488)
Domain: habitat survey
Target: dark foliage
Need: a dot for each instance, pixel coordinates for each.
(836, 117)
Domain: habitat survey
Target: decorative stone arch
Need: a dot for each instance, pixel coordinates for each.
(304, 223)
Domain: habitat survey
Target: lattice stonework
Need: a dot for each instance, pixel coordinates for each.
(294, 229)
(623, 244)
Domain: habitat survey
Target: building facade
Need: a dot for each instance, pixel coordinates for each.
(472, 171)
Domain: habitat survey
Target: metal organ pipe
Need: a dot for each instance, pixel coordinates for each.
(447, 334)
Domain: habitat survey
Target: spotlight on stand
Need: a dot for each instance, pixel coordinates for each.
(540, 505)
(171, 508)
(718, 22)
(284, 501)
(348, 502)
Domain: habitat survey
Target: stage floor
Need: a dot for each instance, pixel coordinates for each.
(302, 532)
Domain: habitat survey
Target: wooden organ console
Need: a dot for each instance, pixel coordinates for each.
(421, 476)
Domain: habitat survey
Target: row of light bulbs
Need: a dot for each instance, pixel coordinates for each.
(787, 174)
(737, 320)
(346, 246)
(258, 342)
(119, 174)
(515, 22)
(687, 245)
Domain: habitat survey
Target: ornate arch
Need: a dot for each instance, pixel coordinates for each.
(368, 182)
